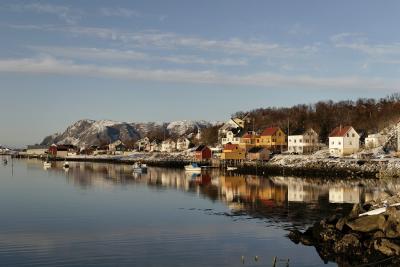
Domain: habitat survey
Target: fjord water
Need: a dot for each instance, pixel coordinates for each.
(104, 215)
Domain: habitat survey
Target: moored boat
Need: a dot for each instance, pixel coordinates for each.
(139, 167)
(47, 164)
(66, 164)
(229, 168)
(193, 167)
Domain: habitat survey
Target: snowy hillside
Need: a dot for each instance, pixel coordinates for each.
(184, 127)
(84, 133)
(89, 132)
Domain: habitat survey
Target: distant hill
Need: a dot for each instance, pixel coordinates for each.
(85, 133)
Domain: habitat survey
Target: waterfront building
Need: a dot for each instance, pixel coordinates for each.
(37, 150)
(203, 152)
(305, 142)
(233, 152)
(258, 153)
(168, 146)
(344, 140)
(272, 138)
(374, 140)
(182, 144)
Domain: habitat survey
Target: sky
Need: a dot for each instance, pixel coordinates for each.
(137, 61)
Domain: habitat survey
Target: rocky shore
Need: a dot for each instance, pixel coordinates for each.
(368, 235)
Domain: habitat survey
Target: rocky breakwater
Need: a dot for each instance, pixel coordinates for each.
(369, 234)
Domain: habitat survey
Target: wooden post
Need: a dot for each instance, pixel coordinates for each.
(274, 262)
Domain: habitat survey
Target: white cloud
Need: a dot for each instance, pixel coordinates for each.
(67, 14)
(119, 12)
(50, 65)
(129, 55)
(168, 40)
(359, 42)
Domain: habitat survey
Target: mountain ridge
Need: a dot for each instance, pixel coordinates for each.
(87, 132)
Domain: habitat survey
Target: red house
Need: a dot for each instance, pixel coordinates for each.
(202, 152)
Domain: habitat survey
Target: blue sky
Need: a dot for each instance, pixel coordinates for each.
(61, 61)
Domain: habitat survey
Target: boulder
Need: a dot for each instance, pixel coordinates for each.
(341, 222)
(367, 224)
(357, 209)
(392, 225)
(348, 244)
(387, 247)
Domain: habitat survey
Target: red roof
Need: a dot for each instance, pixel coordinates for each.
(230, 147)
(270, 131)
(249, 135)
(340, 131)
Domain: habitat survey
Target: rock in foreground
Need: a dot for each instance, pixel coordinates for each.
(353, 239)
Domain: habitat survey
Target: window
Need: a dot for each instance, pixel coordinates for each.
(348, 135)
(301, 141)
(340, 143)
(353, 135)
(333, 142)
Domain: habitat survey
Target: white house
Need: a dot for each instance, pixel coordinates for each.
(117, 146)
(182, 144)
(374, 140)
(230, 137)
(37, 150)
(143, 143)
(168, 145)
(344, 140)
(155, 145)
(234, 124)
(303, 143)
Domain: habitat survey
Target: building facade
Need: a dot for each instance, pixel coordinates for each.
(343, 141)
(306, 142)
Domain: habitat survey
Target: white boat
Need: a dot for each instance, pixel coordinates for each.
(231, 168)
(139, 168)
(47, 164)
(194, 167)
(66, 164)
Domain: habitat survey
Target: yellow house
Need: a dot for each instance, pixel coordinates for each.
(272, 138)
(233, 152)
(248, 141)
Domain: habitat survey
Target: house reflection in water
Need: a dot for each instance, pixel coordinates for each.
(252, 189)
(301, 191)
(341, 194)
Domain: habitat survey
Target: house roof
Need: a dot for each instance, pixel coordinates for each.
(256, 149)
(249, 135)
(230, 146)
(38, 147)
(340, 131)
(270, 131)
(302, 131)
(201, 148)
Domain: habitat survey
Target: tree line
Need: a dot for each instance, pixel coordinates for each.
(366, 115)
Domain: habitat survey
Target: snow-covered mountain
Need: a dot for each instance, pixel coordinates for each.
(185, 127)
(89, 132)
(85, 133)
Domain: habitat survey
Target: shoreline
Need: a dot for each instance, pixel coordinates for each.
(314, 169)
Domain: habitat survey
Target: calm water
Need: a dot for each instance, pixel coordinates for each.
(103, 215)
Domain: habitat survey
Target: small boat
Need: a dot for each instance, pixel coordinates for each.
(194, 167)
(66, 164)
(231, 168)
(47, 164)
(139, 167)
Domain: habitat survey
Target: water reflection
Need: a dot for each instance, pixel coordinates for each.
(284, 202)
